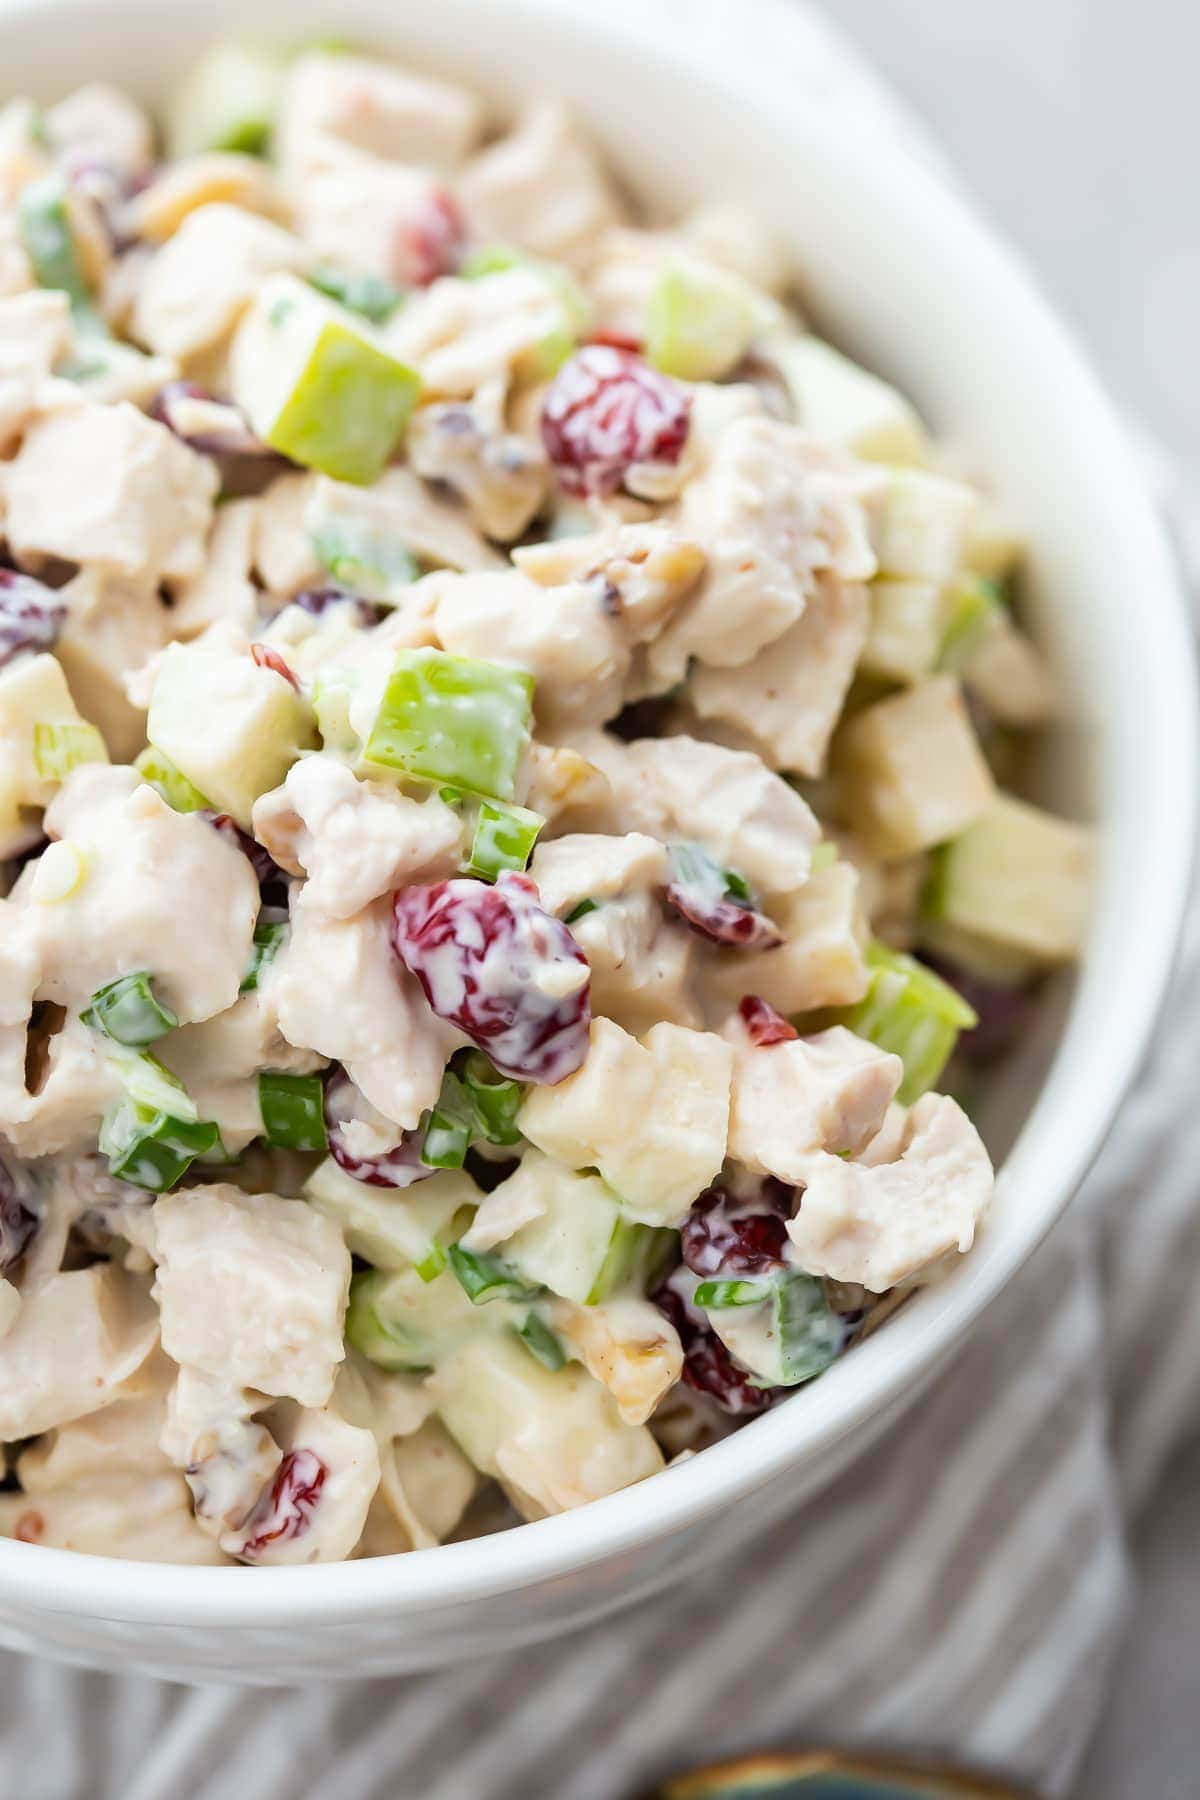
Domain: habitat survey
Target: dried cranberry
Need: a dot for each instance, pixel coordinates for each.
(30, 617)
(268, 658)
(397, 1168)
(495, 964)
(18, 1220)
(715, 902)
(430, 244)
(617, 340)
(285, 1509)
(764, 1026)
(318, 601)
(272, 880)
(605, 410)
(727, 1235)
(707, 1364)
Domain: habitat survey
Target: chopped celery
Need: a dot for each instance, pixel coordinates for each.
(450, 718)
(45, 228)
(160, 772)
(504, 839)
(496, 1098)
(148, 1084)
(973, 608)
(483, 1277)
(270, 935)
(370, 295)
(293, 1110)
(153, 1149)
(541, 1342)
(57, 749)
(731, 1293)
(911, 1012)
(127, 1011)
(699, 323)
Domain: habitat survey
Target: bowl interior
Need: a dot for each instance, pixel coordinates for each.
(895, 266)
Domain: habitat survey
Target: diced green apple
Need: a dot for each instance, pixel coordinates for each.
(699, 322)
(844, 404)
(906, 630)
(128, 1011)
(318, 384)
(973, 609)
(921, 530)
(392, 1228)
(583, 1246)
(230, 726)
(1019, 879)
(912, 1013)
(451, 719)
(401, 1322)
(227, 102)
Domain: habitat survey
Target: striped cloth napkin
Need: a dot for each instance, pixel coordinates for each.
(960, 1591)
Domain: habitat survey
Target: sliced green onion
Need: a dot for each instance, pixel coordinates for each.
(432, 1265)
(911, 1012)
(370, 295)
(45, 228)
(484, 1277)
(580, 912)
(810, 1334)
(148, 1084)
(448, 1126)
(363, 561)
(453, 719)
(127, 1011)
(57, 749)
(492, 259)
(270, 935)
(293, 1110)
(504, 839)
(172, 783)
(152, 1149)
(496, 1098)
(719, 1294)
(541, 1342)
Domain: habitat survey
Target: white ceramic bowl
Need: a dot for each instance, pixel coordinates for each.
(898, 266)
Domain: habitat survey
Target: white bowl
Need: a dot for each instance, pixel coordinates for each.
(897, 265)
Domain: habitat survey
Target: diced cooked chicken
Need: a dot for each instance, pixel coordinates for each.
(209, 1432)
(426, 1483)
(651, 1116)
(589, 866)
(99, 124)
(218, 178)
(553, 779)
(316, 1506)
(1010, 676)
(72, 1084)
(224, 591)
(463, 335)
(77, 1338)
(159, 890)
(105, 486)
(251, 1290)
(198, 285)
(381, 1030)
(786, 702)
(683, 789)
(378, 218)
(820, 962)
(355, 840)
(628, 1345)
(334, 105)
(35, 331)
(828, 1092)
(645, 572)
(502, 477)
(398, 513)
(565, 637)
(111, 625)
(910, 772)
(33, 692)
(772, 511)
(543, 188)
(886, 1222)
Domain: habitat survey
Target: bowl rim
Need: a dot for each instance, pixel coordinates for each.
(877, 1377)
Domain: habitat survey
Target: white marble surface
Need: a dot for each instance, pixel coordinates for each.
(1075, 123)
